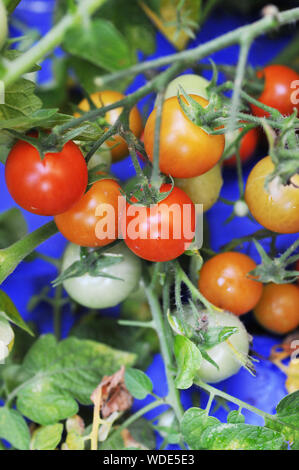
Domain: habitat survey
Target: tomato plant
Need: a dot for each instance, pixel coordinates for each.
(275, 207)
(186, 150)
(49, 185)
(163, 231)
(85, 223)
(279, 84)
(224, 281)
(3, 24)
(100, 291)
(119, 148)
(277, 310)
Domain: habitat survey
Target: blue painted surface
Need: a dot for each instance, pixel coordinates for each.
(267, 388)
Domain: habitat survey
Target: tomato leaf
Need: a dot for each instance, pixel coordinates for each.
(63, 374)
(201, 431)
(13, 226)
(9, 311)
(13, 428)
(286, 419)
(138, 383)
(20, 100)
(235, 417)
(101, 44)
(215, 335)
(46, 437)
(188, 359)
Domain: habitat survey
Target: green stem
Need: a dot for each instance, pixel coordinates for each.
(173, 397)
(188, 57)
(10, 257)
(52, 39)
(57, 311)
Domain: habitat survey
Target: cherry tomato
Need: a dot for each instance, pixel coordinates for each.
(278, 308)
(49, 186)
(277, 208)
(103, 292)
(3, 23)
(119, 148)
(222, 353)
(223, 281)
(279, 90)
(192, 84)
(203, 189)
(83, 225)
(186, 150)
(163, 231)
(247, 148)
(7, 337)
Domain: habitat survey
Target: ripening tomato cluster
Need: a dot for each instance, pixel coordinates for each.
(57, 184)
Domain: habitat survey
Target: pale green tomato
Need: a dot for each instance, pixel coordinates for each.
(101, 156)
(3, 24)
(103, 292)
(6, 338)
(192, 84)
(203, 189)
(222, 353)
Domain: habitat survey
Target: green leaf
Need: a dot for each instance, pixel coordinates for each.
(13, 226)
(142, 431)
(143, 342)
(188, 359)
(138, 383)
(100, 43)
(20, 101)
(9, 311)
(64, 373)
(13, 428)
(235, 417)
(216, 335)
(193, 424)
(46, 437)
(201, 431)
(287, 412)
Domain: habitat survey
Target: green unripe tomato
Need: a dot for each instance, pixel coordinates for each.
(203, 189)
(103, 292)
(192, 84)
(101, 157)
(6, 338)
(3, 24)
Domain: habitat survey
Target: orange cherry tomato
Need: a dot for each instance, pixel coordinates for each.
(223, 281)
(278, 308)
(186, 150)
(47, 186)
(278, 208)
(119, 148)
(81, 224)
(279, 90)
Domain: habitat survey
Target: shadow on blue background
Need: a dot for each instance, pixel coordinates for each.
(262, 391)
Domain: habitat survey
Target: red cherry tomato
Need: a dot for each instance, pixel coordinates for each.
(82, 224)
(247, 147)
(47, 186)
(279, 90)
(223, 281)
(156, 233)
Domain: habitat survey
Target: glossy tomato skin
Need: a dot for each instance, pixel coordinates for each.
(151, 241)
(278, 90)
(278, 308)
(247, 148)
(49, 186)
(278, 208)
(186, 150)
(80, 224)
(203, 189)
(103, 292)
(119, 148)
(223, 281)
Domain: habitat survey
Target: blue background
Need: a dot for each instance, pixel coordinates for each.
(262, 391)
